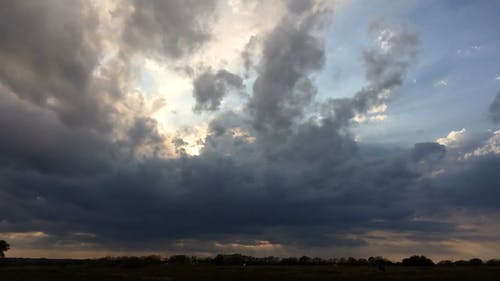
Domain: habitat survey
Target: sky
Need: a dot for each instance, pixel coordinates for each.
(285, 128)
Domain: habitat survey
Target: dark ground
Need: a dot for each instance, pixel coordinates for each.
(221, 273)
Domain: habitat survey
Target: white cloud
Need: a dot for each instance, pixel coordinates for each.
(492, 146)
(384, 39)
(361, 118)
(374, 113)
(378, 117)
(454, 138)
(441, 83)
(378, 109)
(469, 50)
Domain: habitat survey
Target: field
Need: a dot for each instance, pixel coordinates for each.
(261, 273)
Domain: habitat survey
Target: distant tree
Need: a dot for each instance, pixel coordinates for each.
(362, 261)
(179, 259)
(342, 261)
(203, 260)
(461, 262)
(271, 260)
(417, 261)
(493, 262)
(4, 247)
(351, 261)
(317, 261)
(128, 261)
(152, 259)
(445, 263)
(290, 261)
(235, 259)
(475, 261)
(305, 260)
(378, 260)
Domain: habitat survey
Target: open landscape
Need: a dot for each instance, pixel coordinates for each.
(239, 267)
(250, 273)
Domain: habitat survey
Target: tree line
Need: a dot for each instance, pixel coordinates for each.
(239, 259)
(244, 260)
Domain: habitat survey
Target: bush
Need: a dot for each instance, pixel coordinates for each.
(475, 262)
(445, 263)
(417, 261)
(179, 259)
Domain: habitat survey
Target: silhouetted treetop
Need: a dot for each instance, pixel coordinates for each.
(4, 247)
(417, 261)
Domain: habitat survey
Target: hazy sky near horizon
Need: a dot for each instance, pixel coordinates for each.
(325, 128)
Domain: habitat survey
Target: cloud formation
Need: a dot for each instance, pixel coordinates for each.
(86, 164)
(210, 88)
(48, 55)
(494, 109)
(172, 28)
(386, 63)
(282, 89)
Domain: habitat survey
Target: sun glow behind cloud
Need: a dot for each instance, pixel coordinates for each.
(169, 83)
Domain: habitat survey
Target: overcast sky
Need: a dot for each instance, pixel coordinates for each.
(324, 128)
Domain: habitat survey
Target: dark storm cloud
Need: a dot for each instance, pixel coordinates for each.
(428, 150)
(163, 200)
(172, 28)
(142, 134)
(283, 87)
(48, 52)
(210, 88)
(168, 200)
(34, 139)
(495, 109)
(474, 184)
(49, 64)
(314, 183)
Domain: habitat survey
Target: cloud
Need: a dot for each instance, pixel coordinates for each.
(494, 109)
(299, 6)
(473, 184)
(248, 55)
(210, 88)
(312, 188)
(469, 51)
(454, 138)
(441, 83)
(170, 28)
(291, 52)
(428, 150)
(173, 204)
(39, 141)
(490, 146)
(466, 177)
(386, 64)
(48, 56)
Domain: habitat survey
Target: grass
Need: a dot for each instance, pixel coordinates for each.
(261, 273)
